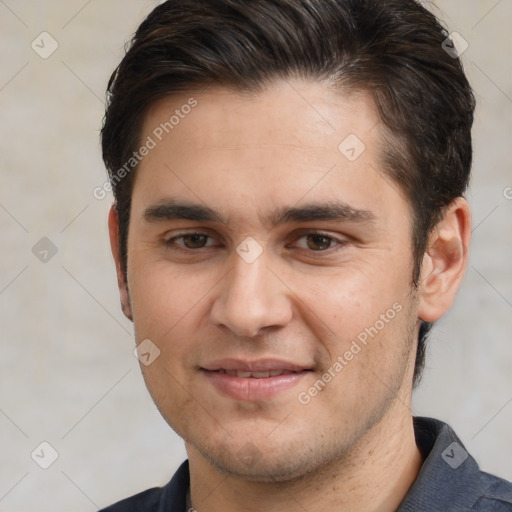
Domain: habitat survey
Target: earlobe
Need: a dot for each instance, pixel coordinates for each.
(113, 228)
(445, 261)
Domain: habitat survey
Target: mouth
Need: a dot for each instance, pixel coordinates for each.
(242, 374)
(254, 380)
(255, 367)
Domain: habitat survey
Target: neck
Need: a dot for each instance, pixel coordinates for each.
(375, 476)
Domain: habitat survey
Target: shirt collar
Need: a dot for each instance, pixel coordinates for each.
(446, 461)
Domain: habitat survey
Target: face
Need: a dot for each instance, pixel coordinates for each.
(270, 263)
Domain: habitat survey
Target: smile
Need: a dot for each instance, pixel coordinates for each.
(259, 380)
(256, 375)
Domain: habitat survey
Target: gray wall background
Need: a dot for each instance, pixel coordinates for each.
(68, 376)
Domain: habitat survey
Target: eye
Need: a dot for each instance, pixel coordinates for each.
(317, 242)
(190, 241)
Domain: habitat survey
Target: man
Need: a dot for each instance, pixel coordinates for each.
(288, 223)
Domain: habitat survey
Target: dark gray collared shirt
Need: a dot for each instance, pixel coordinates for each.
(449, 481)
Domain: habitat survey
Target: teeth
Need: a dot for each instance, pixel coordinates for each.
(255, 375)
(260, 375)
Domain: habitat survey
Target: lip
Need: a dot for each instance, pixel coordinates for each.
(253, 388)
(257, 365)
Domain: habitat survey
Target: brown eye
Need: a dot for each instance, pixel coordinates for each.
(194, 240)
(318, 242)
(314, 241)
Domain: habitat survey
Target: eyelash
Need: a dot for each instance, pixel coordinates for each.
(339, 244)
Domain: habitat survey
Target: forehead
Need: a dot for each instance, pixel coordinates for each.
(282, 113)
(293, 140)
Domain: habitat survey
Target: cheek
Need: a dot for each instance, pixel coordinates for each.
(164, 298)
(171, 392)
(362, 324)
(347, 302)
(168, 309)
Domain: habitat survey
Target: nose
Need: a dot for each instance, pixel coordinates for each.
(251, 298)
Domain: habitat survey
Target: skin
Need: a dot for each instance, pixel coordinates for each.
(305, 299)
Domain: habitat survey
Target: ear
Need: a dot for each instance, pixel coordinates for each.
(445, 261)
(113, 228)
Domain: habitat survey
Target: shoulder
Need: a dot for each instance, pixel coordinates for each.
(158, 499)
(147, 501)
(497, 496)
(450, 479)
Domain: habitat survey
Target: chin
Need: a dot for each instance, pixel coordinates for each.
(264, 472)
(274, 465)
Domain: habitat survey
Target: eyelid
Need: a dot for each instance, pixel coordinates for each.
(305, 232)
(170, 240)
(176, 233)
(339, 241)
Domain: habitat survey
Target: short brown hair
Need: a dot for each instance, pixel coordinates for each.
(391, 48)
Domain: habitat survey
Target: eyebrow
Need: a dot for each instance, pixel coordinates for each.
(330, 211)
(172, 210)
